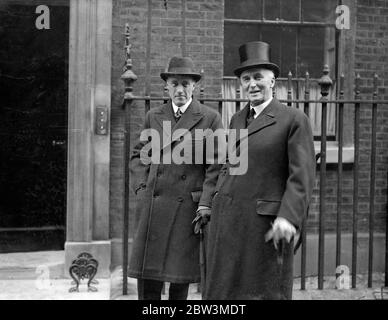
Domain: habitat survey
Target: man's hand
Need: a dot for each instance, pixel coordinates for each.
(281, 229)
(202, 218)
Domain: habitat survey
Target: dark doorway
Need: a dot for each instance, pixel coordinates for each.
(33, 131)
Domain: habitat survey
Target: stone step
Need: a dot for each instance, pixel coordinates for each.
(31, 265)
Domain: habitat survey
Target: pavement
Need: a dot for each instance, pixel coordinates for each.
(40, 276)
(310, 293)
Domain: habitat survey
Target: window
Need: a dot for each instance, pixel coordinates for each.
(302, 36)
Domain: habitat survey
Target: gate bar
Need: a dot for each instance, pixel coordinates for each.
(322, 193)
(355, 180)
(339, 186)
(306, 109)
(128, 77)
(325, 83)
(372, 183)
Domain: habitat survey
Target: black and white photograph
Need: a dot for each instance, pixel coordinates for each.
(209, 152)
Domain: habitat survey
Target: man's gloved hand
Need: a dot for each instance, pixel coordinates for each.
(281, 229)
(202, 218)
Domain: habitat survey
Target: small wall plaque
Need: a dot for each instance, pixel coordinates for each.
(101, 120)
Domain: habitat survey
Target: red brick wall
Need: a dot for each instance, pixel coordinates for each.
(202, 39)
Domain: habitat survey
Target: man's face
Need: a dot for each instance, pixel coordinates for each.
(180, 89)
(257, 84)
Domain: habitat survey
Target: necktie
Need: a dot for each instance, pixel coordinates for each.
(178, 114)
(251, 116)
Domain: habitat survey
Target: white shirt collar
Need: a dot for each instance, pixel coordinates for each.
(261, 107)
(183, 108)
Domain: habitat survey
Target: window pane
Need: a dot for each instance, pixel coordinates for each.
(282, 41)
(319, 11)
(290, 10)
(281, 9)
(312, 51)
(272, 9)
(236, 35)
(243, 9)
(294, 48)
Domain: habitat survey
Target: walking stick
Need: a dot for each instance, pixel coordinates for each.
(202, 260)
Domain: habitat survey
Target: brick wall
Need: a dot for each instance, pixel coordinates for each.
(201, 37)
(370, 57)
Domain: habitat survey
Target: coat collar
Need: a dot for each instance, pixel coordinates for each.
(266, 118)
(189, 119)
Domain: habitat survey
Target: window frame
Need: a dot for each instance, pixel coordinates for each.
(300, 23)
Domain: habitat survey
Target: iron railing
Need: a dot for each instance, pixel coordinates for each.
(340, 103)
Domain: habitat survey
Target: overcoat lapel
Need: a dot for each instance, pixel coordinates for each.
(165, 114)
(241, 120)
(266, 118)
(188, 120)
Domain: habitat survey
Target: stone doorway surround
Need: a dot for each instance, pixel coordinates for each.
(87, 225)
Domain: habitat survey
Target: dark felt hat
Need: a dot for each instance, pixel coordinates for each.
(183, 66)
(256, 54)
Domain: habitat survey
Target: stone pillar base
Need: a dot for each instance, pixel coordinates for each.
(100, 250)
(117, 252)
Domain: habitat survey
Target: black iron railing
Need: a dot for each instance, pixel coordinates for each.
(340, 102)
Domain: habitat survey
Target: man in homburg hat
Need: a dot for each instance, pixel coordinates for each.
(256, 215)
(171, 195)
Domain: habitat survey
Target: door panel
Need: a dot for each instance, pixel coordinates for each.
(33, 131)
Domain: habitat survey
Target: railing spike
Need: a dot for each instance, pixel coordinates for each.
(357, 85)
(325, 82)
(375, 85)
(307, 84)
(128, 75)
(289, 87)
(342, 85)
(202, 88)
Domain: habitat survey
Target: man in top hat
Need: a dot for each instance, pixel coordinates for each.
(256, 215)
(171, 195)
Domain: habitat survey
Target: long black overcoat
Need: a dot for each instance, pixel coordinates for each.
(165, 247)
(278, 182)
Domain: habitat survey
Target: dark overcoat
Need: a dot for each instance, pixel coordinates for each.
(278, 182)
(165, 247)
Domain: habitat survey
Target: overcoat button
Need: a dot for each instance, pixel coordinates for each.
(183, 177)
(180, 199)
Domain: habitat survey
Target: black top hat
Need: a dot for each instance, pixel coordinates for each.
(253, 55)
(180, 66)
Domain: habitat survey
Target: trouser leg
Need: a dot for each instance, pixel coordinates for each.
(149, 289)
(178, 291)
